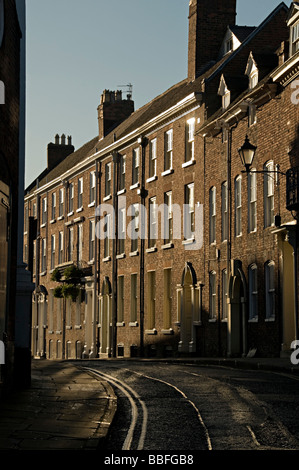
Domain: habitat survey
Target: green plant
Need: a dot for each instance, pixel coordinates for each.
(57, 292)
(70, 291)
(74, 274)
(56, 275)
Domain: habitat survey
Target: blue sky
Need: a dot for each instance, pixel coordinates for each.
(77, 49)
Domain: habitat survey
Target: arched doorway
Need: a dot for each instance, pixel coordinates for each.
(105, 318)
(189, 308)
(237, 298)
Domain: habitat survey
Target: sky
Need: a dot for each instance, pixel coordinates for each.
(75, 49)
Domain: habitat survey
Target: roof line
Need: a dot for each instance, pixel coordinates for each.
(282, 5)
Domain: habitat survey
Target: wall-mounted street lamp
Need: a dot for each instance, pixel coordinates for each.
(247, 153)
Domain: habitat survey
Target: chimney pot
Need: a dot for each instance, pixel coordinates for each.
(63, 139)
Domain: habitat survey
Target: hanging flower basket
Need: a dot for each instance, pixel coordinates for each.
(70, 291)
(57, 292)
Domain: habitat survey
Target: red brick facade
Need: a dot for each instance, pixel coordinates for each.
(172, 296)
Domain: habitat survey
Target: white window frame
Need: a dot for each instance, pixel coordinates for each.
(153, 229)
(270, 290)
(92, 186)
(190, 130)
(60, 252)
(134, 298)
(53, 243)
(212, 296)
(71, 198)
(153, 159)
(189, 216)
(108, 178)
(122, 177)
(61, 202)
(253, 292)
(121, 231)
(44, 255)
(53, 208)
(121, 299)
(269, 194)
(294, 38)
(135, 166)
(252, 201)
(224, 211)
(238, 206)
(44, 211)
(212, 205)
(168, 150)
(168, 221)
(91, 239)
(70, 243)
(135, 227)
(80, 242)
(80, 193)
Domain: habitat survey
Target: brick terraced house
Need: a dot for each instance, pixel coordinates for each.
(153, 239)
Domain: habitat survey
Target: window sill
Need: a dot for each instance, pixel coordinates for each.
(212, 320)
(90, 262)
(134, 253)
(43, 273)
(189, 241)
(270, 319)
(92, 204)
(189, 163)
(80, 209)
(134, 186)
(152, 178)
(167, 246)
(169, 331)
(120, 323)
(68, 327)
(52, 221)
(61, 217)
(108, 258)
(153, 331)
(151, 250)
(121, 191)
(167, 172)
(253, 320)
(78, 327)
(133, 323)
(107, 198)
(70, 213)
(43, 225)
(121, 256)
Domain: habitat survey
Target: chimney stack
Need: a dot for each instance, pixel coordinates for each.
(112, 111)
(208, 21)
(59, 151)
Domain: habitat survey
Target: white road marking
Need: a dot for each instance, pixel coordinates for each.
(129, 392)
(209, 443)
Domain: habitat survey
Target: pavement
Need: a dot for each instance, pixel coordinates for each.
(69, 408)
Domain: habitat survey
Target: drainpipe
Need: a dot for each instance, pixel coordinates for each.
(95, 282)
(143, 194)
(114, 252)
